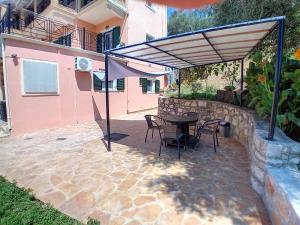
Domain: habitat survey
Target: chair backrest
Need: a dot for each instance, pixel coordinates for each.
(149, 121)
(212, 124)
(170, 131)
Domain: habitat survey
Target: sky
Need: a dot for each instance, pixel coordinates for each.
(170, 11)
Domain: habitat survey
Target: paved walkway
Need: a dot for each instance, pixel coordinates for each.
(71, 169)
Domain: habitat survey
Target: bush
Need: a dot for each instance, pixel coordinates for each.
(260, 86)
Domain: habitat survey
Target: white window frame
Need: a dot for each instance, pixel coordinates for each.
(23, 93)
(114, 88)
(153, 86)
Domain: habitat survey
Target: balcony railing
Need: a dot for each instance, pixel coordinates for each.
(31, 25)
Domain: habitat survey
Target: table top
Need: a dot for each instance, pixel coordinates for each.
(180, 119)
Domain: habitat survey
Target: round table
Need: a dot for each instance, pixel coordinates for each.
(182, 122)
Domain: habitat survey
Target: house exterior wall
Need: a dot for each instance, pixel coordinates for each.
(77, 101)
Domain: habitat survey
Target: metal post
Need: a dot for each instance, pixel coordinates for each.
(179, 83)
(107, 102)
(242, 82)
(277, 80)
(8, 19)
(83, 38)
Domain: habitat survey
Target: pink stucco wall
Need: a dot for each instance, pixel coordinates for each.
(76, 102)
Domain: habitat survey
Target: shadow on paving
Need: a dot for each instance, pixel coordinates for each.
(202, 182)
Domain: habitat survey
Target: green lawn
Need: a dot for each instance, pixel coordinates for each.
(18, 206)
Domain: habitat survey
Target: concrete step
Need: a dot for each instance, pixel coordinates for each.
(4, 130)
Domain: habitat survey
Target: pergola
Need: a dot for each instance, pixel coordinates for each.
(205, 47)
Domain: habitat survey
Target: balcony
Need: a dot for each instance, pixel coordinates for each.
(91, 11)
(98, 11)
(25, 23)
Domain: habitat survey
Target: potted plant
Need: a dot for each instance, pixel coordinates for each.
(230, 75)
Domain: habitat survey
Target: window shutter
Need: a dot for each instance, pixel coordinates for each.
(157, 86)
(97, 83)
(99, 43)
(116, 37)
(121, 84)
(144, 85)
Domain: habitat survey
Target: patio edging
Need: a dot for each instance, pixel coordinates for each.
(251, 132)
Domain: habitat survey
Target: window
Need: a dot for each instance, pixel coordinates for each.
(64, 40)
(39, 77)
(150, 86)
(149, 37)
(108, 40)
(108, 37)
(112, 85)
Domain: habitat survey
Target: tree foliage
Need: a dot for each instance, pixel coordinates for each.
(234, 11)
(183, 21)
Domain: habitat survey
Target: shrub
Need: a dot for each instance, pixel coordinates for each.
(260, 86)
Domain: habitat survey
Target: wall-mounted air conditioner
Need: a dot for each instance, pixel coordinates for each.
(83, 64)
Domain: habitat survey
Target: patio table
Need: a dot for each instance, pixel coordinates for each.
(183, 123)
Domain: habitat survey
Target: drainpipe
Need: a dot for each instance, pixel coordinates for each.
(6, 86)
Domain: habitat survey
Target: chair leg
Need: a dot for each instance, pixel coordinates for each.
(214, 139)
(159, 149)
(178, 146)
(146, 135)
(217, 139)
(152, 133)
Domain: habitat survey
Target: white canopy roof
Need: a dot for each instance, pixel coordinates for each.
(202, 47)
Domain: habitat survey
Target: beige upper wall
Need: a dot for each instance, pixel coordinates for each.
(140, 20)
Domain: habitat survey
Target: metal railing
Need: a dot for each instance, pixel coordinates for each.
(27, 24)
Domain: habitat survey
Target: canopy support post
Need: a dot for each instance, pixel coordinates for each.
(277, 80)
(242, 82)
(107, 103)
(179, 83)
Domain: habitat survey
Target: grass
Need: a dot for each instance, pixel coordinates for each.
(18, 206)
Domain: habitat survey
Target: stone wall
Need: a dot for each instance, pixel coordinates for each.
(250, 131)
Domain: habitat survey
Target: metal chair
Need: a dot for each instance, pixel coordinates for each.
(194, 125)
(210, 127)
(154, 123)
(171, 134)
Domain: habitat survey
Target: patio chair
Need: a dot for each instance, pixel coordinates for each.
(193, 125)
(171, 134)
(210, 127)
(154, 123)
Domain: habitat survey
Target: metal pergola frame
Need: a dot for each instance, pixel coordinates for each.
(279, 24)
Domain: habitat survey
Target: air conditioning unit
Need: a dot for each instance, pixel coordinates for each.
(83, 64)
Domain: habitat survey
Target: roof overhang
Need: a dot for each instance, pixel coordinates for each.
(202, 47)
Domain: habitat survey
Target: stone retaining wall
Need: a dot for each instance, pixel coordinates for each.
(249, 131)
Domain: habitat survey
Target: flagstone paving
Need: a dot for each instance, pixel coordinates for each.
(72, 169)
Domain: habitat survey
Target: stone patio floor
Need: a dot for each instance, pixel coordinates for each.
(71, 168)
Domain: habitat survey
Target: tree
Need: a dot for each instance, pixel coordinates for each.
(182, 21)
(234, 11)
